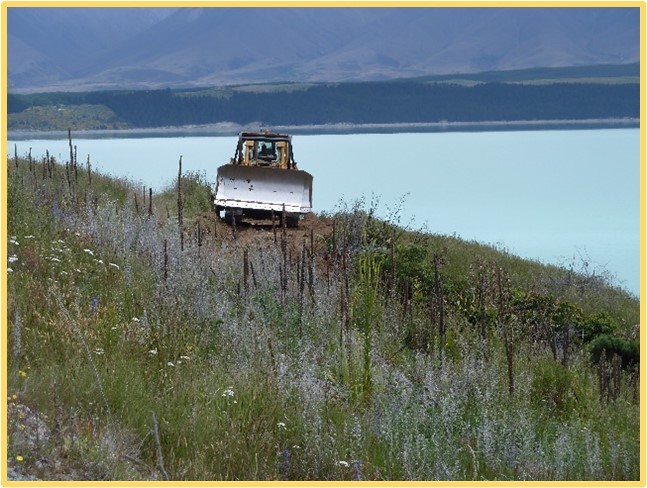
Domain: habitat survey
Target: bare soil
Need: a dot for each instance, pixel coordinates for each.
(248, 232)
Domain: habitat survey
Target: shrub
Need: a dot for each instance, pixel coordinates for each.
(610, 345)
(552, 389)
(599, 323)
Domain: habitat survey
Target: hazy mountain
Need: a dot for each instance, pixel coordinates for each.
(85, 48)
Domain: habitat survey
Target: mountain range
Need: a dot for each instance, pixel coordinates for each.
(91, 48)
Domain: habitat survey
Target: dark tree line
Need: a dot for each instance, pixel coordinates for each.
(368, 102)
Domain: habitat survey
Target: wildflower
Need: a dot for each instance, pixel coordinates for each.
(358, 470)
(229, 392)
(285, 465)
(113, 265)
(19, 458)
(13, 258)
(89, 252)
(281, 425)
(94, 304)
(14, 397)
(186, 358)
(63, 273)
(170, 363)
(99, 351)
(22, 373)
(135, 319)
(153, 352)
(344, 464)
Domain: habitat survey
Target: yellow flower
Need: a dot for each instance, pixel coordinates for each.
(22, 373)
(14, 397)
(19, 458)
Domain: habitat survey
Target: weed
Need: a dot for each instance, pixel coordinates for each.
(365, 352)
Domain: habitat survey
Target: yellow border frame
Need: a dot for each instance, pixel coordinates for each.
(322, 4)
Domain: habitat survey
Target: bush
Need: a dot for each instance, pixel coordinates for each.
(610, 345)
(599, 323)
(552, 389)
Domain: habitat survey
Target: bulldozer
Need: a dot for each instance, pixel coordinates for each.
(262, 180)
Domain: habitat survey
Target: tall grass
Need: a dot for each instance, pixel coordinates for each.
(324, 359)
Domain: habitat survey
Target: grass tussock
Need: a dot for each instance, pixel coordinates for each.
(361, 351)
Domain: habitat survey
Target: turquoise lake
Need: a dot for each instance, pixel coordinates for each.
(556, 196)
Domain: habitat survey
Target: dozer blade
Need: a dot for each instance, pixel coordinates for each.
(259, 188)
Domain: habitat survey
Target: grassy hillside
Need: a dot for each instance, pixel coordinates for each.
(346, 349)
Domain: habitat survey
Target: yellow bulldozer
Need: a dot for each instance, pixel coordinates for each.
(262, 181)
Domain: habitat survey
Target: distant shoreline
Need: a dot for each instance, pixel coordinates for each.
(231, 129)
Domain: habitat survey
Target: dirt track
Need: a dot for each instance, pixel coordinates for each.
(248, 232)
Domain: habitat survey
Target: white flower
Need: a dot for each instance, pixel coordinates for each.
(153, 352)
(99, 351)
(64, 273)
(135, 319)
(13, 258)
(186, 358)
(170, 363)
(89, 252)
(344, 464)
(229, 392)
(281, 425)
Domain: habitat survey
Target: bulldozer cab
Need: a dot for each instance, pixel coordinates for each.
(264, 149)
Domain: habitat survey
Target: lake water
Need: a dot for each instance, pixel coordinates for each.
(556, 196)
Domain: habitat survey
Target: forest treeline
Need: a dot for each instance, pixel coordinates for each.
(412, 101)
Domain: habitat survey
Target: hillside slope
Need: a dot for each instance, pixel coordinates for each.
(347, 349)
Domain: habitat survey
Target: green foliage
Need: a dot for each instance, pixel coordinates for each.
(606, 345)
(552, 389)
(337, 375)
(63, 117)
(367, 312)
(196, 197)
(599, 323)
